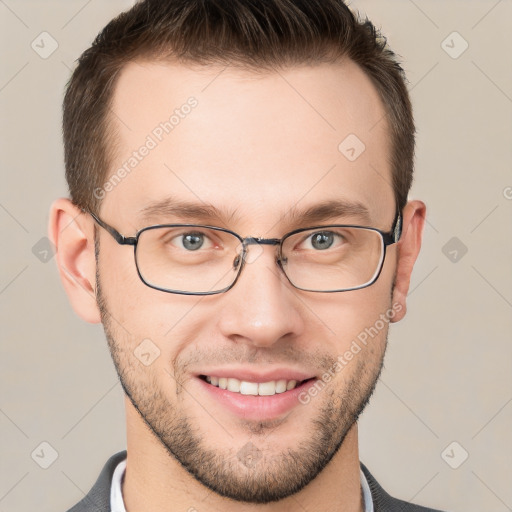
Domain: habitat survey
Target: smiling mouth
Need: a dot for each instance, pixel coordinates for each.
(243, 387)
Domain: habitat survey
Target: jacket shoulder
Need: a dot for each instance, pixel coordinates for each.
(98, 498)
(383, 502)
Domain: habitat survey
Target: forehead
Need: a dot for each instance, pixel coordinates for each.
(255, 143)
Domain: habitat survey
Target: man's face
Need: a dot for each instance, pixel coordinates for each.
(255, 148)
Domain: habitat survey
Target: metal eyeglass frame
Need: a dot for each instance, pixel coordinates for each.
(388, 238)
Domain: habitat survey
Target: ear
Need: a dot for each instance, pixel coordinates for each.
(72, 232)
(413, 221)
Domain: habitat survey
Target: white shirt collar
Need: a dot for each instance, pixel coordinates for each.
(367, 494)
(116, 495)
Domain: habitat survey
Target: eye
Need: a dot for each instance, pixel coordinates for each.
(322, 240)
(191, 241)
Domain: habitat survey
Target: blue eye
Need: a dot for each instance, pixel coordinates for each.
(322, 240)
(192, 241)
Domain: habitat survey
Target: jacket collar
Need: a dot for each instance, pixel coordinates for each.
(98, 498)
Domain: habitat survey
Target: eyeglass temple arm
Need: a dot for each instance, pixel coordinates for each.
(120, 239)
(396, 232)
(389, 238)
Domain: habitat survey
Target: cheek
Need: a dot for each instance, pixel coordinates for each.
(348, 314)
(118, 275)
(130, 302)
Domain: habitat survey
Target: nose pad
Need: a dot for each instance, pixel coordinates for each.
(237, 261)
(252, 252)
(244, 256)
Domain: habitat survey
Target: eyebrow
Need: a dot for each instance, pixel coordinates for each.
(328, 210)
(172, 208)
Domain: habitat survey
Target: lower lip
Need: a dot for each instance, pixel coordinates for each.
(258, 408)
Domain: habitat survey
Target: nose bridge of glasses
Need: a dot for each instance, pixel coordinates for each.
(258, 241)
(261, 241)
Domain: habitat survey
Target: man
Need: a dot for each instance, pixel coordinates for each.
(255, 157)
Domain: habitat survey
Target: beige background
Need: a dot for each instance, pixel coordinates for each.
(448, 372)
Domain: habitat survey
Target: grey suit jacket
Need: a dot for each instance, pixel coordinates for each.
(98, 498)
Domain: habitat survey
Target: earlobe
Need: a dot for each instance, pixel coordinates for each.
(73, 235)
(408, 250)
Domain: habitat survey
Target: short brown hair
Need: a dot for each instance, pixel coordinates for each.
(252, 34)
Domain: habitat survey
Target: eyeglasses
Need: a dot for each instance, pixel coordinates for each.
(193, 259)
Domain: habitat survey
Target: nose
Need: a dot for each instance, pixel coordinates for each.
(262, 307)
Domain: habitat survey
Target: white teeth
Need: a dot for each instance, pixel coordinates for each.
(248, 388)
(280, 386)
(233, 385)
(291, 384)
(252, 388)
(267, 388)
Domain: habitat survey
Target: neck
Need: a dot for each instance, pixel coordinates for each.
(156, 482)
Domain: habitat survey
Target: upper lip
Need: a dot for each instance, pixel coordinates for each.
(254, 375)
